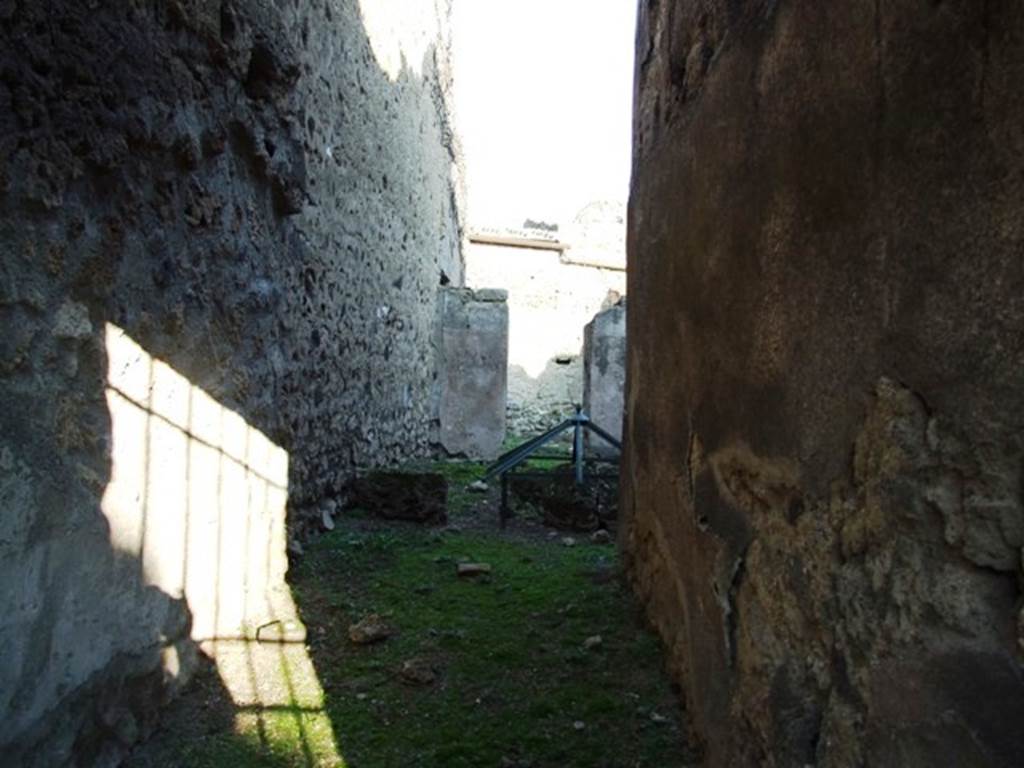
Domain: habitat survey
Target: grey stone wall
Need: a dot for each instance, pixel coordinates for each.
(260, 200)
(604, 376)
(823, 500)
(474, 373)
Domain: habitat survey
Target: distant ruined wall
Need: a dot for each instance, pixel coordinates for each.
(550, 300)
(825, 436)
(259, 199)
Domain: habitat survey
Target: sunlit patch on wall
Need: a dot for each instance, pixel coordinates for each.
(196, 494)
(400, 34)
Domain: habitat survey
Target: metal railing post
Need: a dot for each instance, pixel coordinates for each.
(510, 460)
(577, 446)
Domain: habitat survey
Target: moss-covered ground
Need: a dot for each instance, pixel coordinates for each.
(515, 680)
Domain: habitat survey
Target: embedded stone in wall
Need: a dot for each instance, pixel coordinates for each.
(474, 377)
(604, 375)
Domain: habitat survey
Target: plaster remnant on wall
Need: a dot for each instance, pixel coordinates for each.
(755, 484)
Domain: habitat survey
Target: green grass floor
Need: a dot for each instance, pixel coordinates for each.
(514, 684)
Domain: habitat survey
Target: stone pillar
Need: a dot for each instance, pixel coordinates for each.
(604, 375)
(473, 371)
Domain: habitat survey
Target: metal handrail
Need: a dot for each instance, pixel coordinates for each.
(578, 422)
(508, 461)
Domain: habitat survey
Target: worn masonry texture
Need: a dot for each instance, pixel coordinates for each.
(825, 405)
(222, 228)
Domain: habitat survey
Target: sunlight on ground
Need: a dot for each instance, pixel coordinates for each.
(539, 662)
(278, 699)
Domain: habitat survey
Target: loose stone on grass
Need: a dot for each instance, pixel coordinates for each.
(327, 519)
(478, 486)
(600, 536)
(417, 671)
(469, 570)
(371, 629)
(593, 642)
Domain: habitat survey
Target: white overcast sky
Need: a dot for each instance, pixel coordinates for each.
(543, 94)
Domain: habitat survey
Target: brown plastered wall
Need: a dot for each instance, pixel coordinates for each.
(823, 474)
